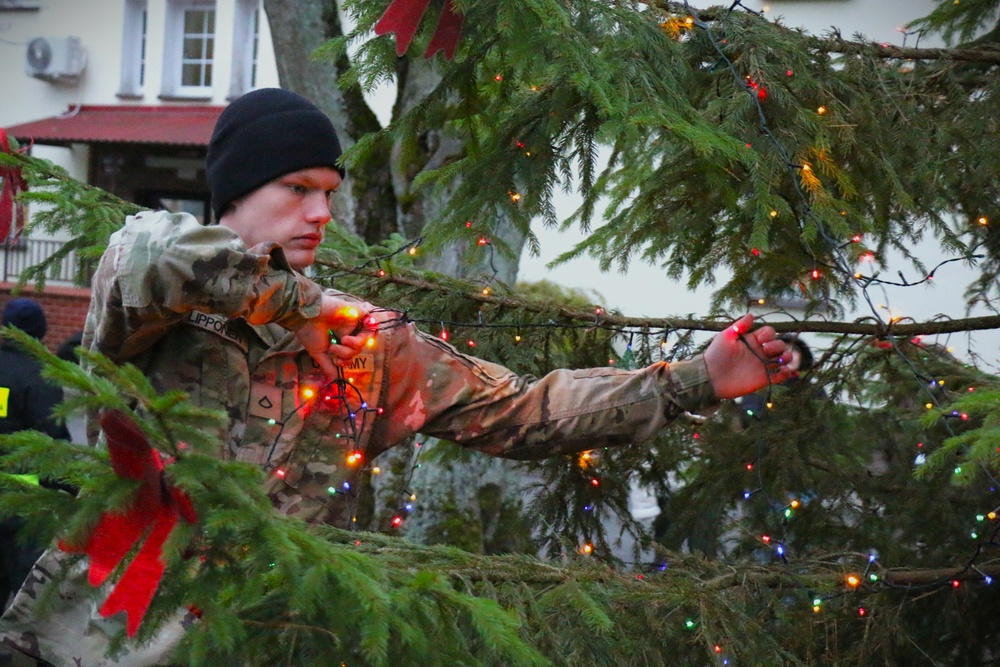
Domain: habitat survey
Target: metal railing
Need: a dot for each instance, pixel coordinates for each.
(27, 252)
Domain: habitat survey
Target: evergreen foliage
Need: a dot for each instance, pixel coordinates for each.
(695, 126)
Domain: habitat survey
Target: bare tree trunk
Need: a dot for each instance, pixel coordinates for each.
(298, 27)
(378, 198)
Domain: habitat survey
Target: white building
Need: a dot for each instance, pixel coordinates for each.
(124, 93)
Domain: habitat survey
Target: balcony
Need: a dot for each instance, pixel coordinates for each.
(19, 255)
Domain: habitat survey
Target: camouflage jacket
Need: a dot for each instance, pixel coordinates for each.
(173, 298)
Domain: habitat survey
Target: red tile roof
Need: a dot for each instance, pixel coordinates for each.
(172, 125)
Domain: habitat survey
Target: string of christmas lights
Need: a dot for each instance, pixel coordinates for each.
(444, 332)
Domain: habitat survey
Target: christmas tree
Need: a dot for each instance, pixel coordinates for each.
(850, 523)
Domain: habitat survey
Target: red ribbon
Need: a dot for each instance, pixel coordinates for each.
(154, 513)
(12, 213)
(403, 16)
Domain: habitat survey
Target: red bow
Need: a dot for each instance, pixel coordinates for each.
(11, 212)
(403, 16)
(154, 513)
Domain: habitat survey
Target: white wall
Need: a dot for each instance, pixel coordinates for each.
(99, 25)
(645, 291)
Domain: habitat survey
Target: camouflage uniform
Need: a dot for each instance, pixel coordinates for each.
(173, 297)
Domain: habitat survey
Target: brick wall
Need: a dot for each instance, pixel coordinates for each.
(65, 309)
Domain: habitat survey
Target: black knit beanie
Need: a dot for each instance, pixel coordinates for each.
(27, 315)
(263, 135)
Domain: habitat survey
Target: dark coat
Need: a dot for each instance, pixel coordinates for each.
(27, 399)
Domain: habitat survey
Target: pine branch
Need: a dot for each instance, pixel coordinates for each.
(987, 54)
(451, 288)
(46, 174)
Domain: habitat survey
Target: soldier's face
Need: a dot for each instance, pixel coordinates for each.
(291, 210)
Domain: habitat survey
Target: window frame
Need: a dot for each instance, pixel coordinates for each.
(173, 50)
(135, 39)
(246, 47)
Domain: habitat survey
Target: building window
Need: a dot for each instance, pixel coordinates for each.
(256, 46)
(189, 49)
(19, 5)
(246, 40)
(133, 69)
(199, 39)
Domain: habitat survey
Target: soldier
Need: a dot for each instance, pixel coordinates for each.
(224, 313)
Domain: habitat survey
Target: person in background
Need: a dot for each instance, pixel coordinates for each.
(26, 402)
(76, 422)
(799, 362)
(67, 348)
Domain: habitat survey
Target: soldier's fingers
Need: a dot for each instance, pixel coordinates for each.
(353, 342)
(773, 348)
(342, 355)
(326, 365)
(764, 334)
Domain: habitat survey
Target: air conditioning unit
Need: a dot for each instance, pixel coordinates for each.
(55, 59)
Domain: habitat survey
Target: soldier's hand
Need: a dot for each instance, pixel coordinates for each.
(741, 361)
(333, 339)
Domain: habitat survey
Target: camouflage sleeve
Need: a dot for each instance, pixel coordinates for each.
(431, 388)
(161, 266)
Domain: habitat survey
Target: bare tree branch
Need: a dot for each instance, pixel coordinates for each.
(861, 327)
